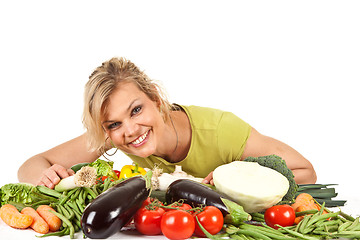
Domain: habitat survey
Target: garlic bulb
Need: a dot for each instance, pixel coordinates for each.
(85, 177)
(161, 181)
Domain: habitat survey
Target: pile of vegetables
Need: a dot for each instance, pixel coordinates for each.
(69, 200)
(316, 222)
(111, 211)
(101, 201)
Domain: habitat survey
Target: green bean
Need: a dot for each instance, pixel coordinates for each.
(272, 230)
(346, 216)
(331, 228)
(274, 235)
(76, 194)
(91, 192)
(67, 196)
(316, 218)
(355, 225)
(84, 195)
(344, 226)
(255, 234)
(77, 215)
(59, 210)
(306, 212)
(42, 202)
(259, 217)
(80, 197)
(76, 228)
(114, 183)
(74, 209)
(94, 189)
(266, 230)
(106, 184)
(65, 212)
(297, 234)
(80, 205)
(67, 222)
(63, 232)
(74, 206)
(348, 234)
(71, 212)
(231, 229)
(303, 224)
(239, 236)
(77, 222)
(321, 233)
(320, 224)
(322, 209)
(48, 191)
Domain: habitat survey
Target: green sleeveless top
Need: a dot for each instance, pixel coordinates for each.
(218, 137)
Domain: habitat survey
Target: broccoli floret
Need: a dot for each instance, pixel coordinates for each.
(278, 164)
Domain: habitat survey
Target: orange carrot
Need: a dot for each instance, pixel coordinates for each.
(298, 219)
(306, 202)
(303, 199)
(300, 209)
(303, 202)
(52, 220)
(39, 225)
(12, 217)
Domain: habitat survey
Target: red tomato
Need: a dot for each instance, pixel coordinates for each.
(179, 206)
(148, 222)
(150, 200)
(211, 219)
(117, 172)
(101, 179)
(177, 224)
(283, 215)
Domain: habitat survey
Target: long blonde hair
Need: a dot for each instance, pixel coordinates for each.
(102, 82)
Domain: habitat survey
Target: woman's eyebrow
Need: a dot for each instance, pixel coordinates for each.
(128, 109)
(130, 105)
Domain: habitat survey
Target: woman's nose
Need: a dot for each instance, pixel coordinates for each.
(130, 128)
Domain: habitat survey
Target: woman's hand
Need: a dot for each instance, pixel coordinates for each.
(52, 176)
(209, 179)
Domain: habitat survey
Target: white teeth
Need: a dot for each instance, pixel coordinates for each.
(140, 139)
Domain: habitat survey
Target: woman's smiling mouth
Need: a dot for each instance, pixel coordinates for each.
(140, 140)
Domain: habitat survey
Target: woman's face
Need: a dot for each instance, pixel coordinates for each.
(133, 121)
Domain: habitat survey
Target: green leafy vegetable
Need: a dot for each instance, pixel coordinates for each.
(104, 168)
(25, 194)
(16, 192)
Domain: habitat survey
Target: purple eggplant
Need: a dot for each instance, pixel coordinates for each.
(113, 209)
(195, 194)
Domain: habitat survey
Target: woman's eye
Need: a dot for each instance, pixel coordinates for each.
(113, 125)
(136, 110)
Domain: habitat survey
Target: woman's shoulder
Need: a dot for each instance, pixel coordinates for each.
(202, 111)
(204, 117)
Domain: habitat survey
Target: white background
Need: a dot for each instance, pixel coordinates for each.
(289, 68)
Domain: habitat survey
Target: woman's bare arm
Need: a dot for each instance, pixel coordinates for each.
(49, 167)
(261, 145)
